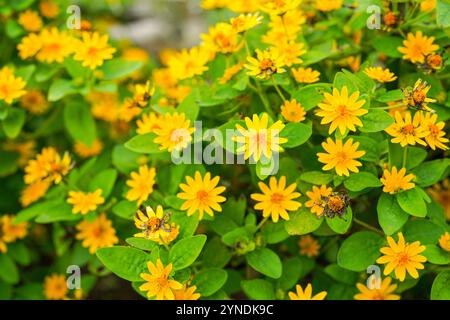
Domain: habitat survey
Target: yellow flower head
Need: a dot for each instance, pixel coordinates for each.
(278, 7)
(188, 63)
(11, 231)
(187, 293)
(96, 234)
(307, 294)
(213, 4)
(175, 132)
(105, 106)
(86, 151)
(276, 199)
(84, 202)
(266, 63)
(284, 28)
(309, 246)
(258, 139)
(407, 130)
(246, 22)
(158, 281)
(305, 75)
(222, 38)
(201, 195)
(48, 8)
(444, 241)
(401, 257)
(417, 96)
(34, 101)
(341, 110)
(30, 21)
(436, 137)
(316, 196)
(290, 51)
(379, 74)
(55, 45)
(148, 123)
(48, 165)
(33, 192)
(440, 192)
(328, 5)
(384, 290)
(143, 93)
(55, 287)
(341, 156)
(11, 87)
(155, 226)
(29, 46)
(141, 184)
(292, 111)
(395, 181)
(417, 46)
(231, 72)
(427, 5)
(93, 50)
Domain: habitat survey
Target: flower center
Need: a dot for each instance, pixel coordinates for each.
(4, 89)
(335, 204)
(342, 110)
(419, 97)
(277, 198)
(341, 156)
(434, 129)
(202, 195)
(266, 64)
(408, 129)
(53, 47)
(403, 259)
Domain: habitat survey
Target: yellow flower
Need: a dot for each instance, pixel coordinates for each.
(86, 151)
(242, 6)
(158, 282)
(155, 226)
(341, 156)
(341, 110)
(384, 292)
(3, 246)
(48, 165)
(84, 202)
(201, 195)
(417, 96)
(401, 257)
(396, 181)
(246, 22)
(407, 131)
(30, 21)
(258, 139)
(292, 111)
(290, 51)
(187, 293)
(96, 234)
(307, 294)
(306, 75)
(188, 63)
(427, 5)
(230, 72)
(379, 74)
(266, 63)
(141, 184)
(444, 241)
(11, 87)
(175, 132)
(316, 196)
(34, 192)
(93, 50)
(417, 47)
(436, 137)
(309, 246)
(276, 199)
(49, 8)
(440, 192)
(221, 38)
(278, 7)
(25, 150)
(149, 122)
(34, 101)
(55, 45)
(143, 93)
(12, 231)
(328, 5)
(213, 4)
(55, 287)
(284, 28)
(29, 46)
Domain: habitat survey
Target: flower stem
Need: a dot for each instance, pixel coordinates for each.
(278, 89)
(264, 100)
(263, 221)
(405, 155)
(367, 226)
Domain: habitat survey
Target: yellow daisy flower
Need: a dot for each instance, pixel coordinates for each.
(384, 292)
(158, 281)
(30, 20)
(35, 102)
(96, 234)
(444, 241)
(175, 132)
(201, 195)
(316, 196)
(328, 5)
(48, 165)
(86, 151)
(188, 63)
(395, 181)
(231, 72)
(84, 202)
(290, 51)
(305, 75)
(341, 156)
(276, 199)
(48, 8)
(408, 131)
(401, 257)
(11, 87)
(309, 246)
(436, 137)
(379, 74)
(341, 110)
(55, 45)
(417, 47)
(187, 293)
(417, 96)
(93, 50)
(221, 38)
(155, 226)
(33, 192)
(307, 294)
(12, 231)
(143, 93)
(278, 7)
(427, 5)
(55, 287)
(266, 63)
(292, 111)
(141, 184)
(148, 123)
(246, 22)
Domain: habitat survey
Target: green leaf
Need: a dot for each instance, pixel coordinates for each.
(375, 121)
(430, 172)
(234, 236)
(118, 68)
(61, 88)
(265, 261)
(436, 255)
(391, 217)
(143, 144)
(297, 134)
(443, 13)
(359, 251)
(79, 122)
(26, 72)
(61, 211)
(126, 262)
(362, 180)
(412, 202)
(8, 270)
(311, 95)
(209, 281)
(105, 181)
(440, 290)
(388, 45)
(14, 122)
(216, 254)
(422, 230)
(141, 243)
(341, 80)
(125, 209)
(302, 222)
(294, 269)
(390, 96)
(185, 252)
(75, 68)
(274, 232)
(316, 177)
(20, 253)
(258, 289)
(341, 275)
(124, 160)
(6, 291)
(190, 108)
(13, 29)
(8, 163)
(341, 224)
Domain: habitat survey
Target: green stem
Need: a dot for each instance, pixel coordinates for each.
(367, 226)
(264, 100)
(261, 223)
(389, 107)
(278, 89)
(405, 155)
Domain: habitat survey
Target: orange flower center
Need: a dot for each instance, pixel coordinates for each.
(390, 19)
(342, 110)
(408, 129)
(341, 156)
(92, 51)
(53, 47)
(266, 64)
(277, 198)
(403, 259)
(335, 204)
(202, 195)
(419, 97)
(4, 89)
(434, 60)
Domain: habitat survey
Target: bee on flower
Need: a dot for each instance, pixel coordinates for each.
(143, 93)
(416, 97)
(266, 64)
(155, 226)
(317, 198)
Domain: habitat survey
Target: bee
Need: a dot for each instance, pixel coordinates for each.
(152, 224)
(335, 204)
(416, 97)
